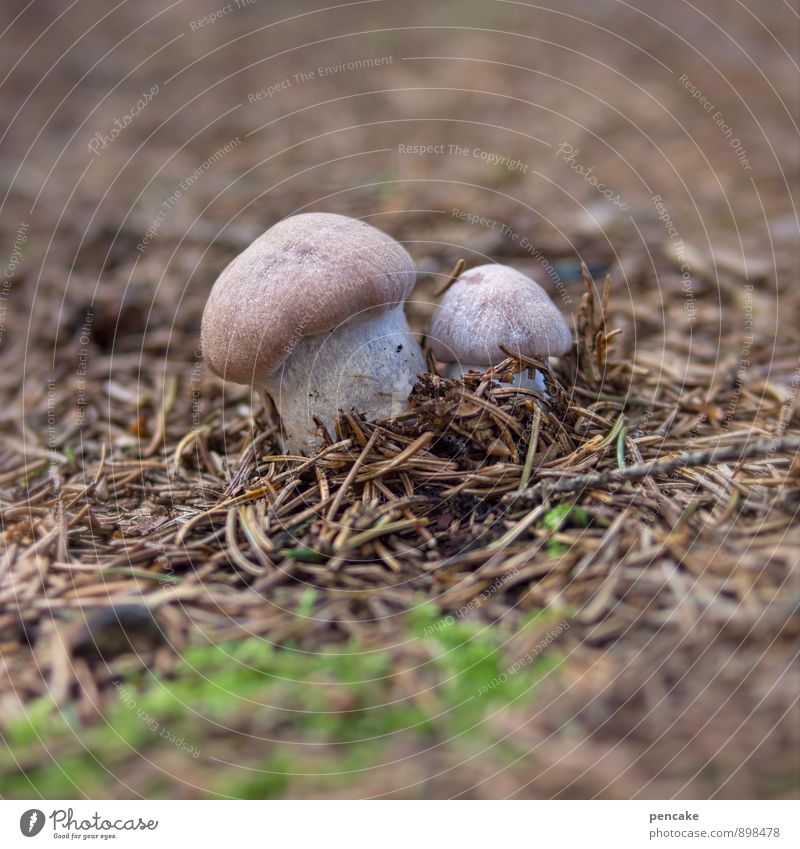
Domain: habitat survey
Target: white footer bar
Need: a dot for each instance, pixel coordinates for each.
(401, 824)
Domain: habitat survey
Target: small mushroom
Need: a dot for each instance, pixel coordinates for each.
(494, 305)
(312, 312)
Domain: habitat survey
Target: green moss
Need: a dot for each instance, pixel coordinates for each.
(563, 516)
(276, 711)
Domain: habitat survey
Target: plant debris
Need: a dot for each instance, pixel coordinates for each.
(649, 499)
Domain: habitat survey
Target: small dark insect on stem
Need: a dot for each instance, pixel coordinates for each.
(640, 471)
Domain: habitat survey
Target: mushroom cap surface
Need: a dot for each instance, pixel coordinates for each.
(305, 275)
(493, 305)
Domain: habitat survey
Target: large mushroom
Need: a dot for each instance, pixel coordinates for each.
(493, 305)
(312, 312)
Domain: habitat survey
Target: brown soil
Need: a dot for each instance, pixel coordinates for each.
(130, 473)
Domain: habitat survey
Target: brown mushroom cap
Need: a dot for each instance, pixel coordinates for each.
(305, 275)
(494, 305)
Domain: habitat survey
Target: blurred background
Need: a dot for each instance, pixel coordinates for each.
(109, 110)
(145, 144)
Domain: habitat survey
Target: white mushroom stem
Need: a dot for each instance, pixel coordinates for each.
(521, 379)
(369, 363)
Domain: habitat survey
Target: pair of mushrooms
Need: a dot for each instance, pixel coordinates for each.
(312, 313)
